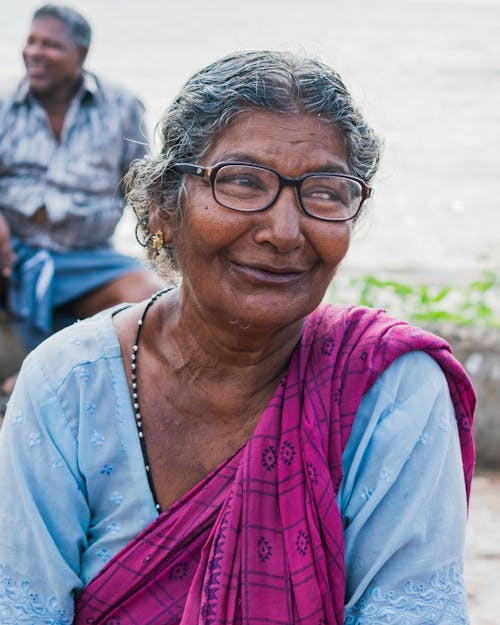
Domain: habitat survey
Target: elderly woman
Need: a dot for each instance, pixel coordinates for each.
(231, 451)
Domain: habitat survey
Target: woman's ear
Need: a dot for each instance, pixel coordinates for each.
(159, 222)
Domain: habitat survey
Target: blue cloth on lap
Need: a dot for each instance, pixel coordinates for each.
(44, 281)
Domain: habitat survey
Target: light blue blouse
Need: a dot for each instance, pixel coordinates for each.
(402, 497)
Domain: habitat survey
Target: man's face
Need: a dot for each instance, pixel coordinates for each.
(53, 61)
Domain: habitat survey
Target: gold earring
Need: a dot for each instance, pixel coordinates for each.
(157, 240)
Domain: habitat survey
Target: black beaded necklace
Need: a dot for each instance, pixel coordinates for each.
(135, 394)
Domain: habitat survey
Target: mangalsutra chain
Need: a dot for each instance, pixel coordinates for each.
(135, 393)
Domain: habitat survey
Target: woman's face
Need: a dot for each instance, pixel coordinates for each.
(266, 269)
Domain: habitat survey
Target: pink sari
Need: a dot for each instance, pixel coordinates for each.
(260, 539)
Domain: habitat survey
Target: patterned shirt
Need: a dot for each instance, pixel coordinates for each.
(77, 178)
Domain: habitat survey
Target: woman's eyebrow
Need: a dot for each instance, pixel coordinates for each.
(242, 157)
(329, 167)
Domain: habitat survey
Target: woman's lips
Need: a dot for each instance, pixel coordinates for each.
(269, 273)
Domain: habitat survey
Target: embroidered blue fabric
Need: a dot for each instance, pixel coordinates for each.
(75, 490)
(440, 601)
(20, 605)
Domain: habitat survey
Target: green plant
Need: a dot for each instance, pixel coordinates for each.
(475, 303)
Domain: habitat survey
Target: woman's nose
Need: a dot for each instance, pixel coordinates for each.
(281, 223)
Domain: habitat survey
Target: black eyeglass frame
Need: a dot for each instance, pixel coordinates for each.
(210, 174)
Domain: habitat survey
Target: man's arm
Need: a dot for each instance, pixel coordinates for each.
(7, 256)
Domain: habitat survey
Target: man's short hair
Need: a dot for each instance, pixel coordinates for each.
(79, 29)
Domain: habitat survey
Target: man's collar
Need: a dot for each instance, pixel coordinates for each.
(22, 91)
(89, 85)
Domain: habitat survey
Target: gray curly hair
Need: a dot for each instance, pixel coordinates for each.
(211, 99)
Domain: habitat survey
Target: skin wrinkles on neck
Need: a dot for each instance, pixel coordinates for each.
(219, 352)
(189, 426)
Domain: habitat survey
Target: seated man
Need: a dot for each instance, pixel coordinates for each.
(66, 140)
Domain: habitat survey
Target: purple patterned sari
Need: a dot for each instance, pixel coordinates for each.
(260, 540)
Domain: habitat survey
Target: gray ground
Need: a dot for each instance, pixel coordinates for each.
(482, 555)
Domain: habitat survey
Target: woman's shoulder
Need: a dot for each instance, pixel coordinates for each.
(76, 372)
(81, 344)
(350, 316)
(409, 374)
(373, 335)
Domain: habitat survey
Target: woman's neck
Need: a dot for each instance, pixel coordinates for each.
(234, 369)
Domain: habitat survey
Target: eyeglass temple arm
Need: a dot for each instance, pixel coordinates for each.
(188, 168)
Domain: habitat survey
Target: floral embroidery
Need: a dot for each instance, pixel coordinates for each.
(312, 473)
(366, 493)
(287, 453)
(328, 345)
(444, 424)
(463, 421)
(423, 438)
(264, 549)
(302, 542)
(441, 601)
(269, 458)
(96, 439)
(387, 475)
(107, 469)
(104, 555)
(113, 527)
(90, 407)
(179, 571)
(35, 439)
(56, 462)
(116, 498)
(19, 604)
(17, 416)
(83, 374)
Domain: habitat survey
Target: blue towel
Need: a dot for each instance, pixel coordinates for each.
(44, 281)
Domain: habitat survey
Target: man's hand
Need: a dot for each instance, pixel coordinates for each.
(7, 256)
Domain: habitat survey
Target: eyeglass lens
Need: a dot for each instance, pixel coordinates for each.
(251, 188)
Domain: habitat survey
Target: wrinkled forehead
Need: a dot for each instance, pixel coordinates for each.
(295, 125)
(266, 126)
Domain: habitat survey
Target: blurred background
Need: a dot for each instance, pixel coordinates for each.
(427, 75)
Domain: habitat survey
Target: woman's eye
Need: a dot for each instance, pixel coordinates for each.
(322, 194)
(325, 195)
(241, 181)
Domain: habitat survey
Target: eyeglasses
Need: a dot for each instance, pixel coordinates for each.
(251, 188)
